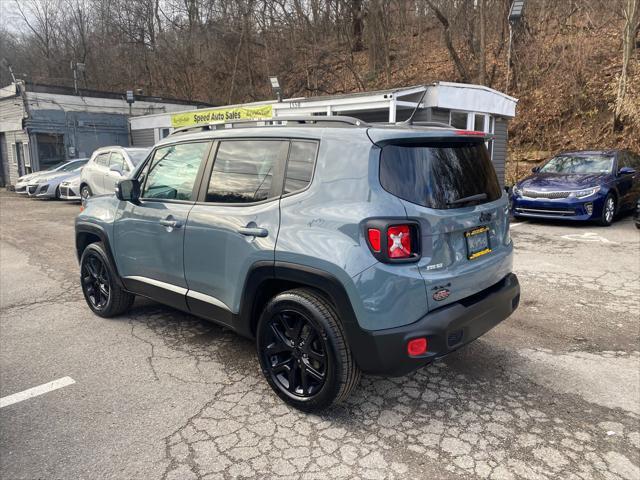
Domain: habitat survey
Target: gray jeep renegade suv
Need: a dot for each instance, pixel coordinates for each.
(341, 247)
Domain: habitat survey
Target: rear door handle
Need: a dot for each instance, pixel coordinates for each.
(170, 223)
(253, 231)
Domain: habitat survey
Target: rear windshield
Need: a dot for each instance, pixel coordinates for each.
(439, 175)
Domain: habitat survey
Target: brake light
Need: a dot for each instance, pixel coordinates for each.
(375, 239)
(399, 241)
(417, 346)
(474, 133)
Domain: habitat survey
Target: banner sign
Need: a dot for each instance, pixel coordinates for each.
(221, 115)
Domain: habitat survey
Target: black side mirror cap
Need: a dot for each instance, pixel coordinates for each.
(128, 190)
(535, 169)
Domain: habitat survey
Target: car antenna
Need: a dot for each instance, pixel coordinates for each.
(409, 121)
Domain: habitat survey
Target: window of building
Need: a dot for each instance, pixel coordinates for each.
(458, 120)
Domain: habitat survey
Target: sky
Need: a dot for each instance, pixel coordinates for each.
(9, 17)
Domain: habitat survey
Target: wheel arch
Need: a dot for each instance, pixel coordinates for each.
(86, 234)
(266, 279)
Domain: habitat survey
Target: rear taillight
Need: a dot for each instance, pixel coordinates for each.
(393, 241)
(374, 239)
(399, 241)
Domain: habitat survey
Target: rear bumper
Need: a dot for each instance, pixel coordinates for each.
(384, 352)
(564, 208)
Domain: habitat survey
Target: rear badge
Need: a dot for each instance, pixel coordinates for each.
(441, 294)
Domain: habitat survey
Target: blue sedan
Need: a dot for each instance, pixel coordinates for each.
(582, 185)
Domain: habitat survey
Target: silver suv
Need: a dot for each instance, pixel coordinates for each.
(340, 247)
(107, 166)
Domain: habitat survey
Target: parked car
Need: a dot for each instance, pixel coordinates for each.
(48, 186)
(581, 185)
(636, 216)
(340, 247)
(107, 166)
(23, 181)
(70, 188)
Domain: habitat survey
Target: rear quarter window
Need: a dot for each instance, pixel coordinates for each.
(437, 174)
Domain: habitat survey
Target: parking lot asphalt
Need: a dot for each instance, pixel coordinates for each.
(553, 392)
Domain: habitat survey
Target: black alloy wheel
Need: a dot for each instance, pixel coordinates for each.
(295, 354)
(100, 283)
(303, 351)
(95, 281)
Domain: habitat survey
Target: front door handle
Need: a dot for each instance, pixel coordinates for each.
(167, 222)
(253, 231)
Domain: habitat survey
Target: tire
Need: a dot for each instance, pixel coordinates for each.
(303, 351)
(57, 194)
(101, 290)
(608, 211)
(85, 192)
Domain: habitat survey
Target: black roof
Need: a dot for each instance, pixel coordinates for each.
(85, 92)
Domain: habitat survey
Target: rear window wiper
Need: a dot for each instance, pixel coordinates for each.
(471, 198)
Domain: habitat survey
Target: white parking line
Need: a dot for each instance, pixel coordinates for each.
(514, 225)
(35, 391)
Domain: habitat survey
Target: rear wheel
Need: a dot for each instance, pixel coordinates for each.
(608, 211)
(99, 286)
(303, 352)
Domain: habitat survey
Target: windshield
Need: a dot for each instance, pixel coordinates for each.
(55, 167)
(137, 156)
(439, 175)
(579, 164)
(69, 167)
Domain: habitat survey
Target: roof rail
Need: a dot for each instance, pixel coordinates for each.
(277, 121)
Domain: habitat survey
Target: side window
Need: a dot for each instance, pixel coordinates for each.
(118, 159)
(102, 159)
(302, 158)
(172, 171)
(244, 170)
(634, 160)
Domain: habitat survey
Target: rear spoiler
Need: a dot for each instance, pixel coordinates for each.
(383, 136)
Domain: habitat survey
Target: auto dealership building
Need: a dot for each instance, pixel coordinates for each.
(464, 106)
(41, 125)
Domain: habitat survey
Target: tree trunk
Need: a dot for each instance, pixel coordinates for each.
(631, 12)
(462, 70)
(357, 25)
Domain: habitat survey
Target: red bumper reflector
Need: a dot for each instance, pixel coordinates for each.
(417, 346)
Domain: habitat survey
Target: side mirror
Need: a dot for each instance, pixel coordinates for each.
(626, 171)
(116, 168)
(128, 190)
(535, 169)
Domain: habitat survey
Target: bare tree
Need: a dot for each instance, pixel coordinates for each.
(631, 14)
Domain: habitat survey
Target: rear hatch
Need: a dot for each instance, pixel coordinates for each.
(448, 184)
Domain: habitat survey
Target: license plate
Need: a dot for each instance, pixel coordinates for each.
(477, 242)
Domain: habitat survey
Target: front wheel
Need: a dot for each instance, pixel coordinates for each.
(101, 291)
(85, 193)
(303, 351)
(608, 211)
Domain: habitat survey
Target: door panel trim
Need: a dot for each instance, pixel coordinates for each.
(161, 292)
(202, 297)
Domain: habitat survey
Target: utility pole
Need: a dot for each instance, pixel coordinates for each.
(515, 16)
